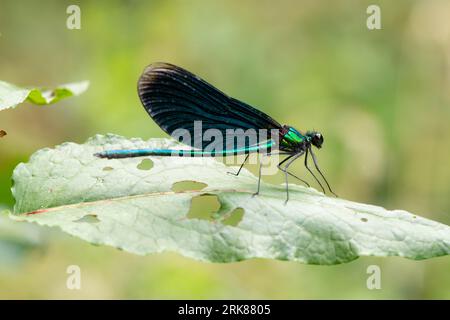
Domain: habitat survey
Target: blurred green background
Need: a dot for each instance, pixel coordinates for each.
(380, 98)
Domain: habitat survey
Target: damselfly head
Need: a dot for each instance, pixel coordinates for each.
(316, 138)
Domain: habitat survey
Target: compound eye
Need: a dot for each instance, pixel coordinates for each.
(318, 139)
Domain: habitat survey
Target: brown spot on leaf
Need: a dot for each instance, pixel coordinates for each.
(89, 218)
(37, 211)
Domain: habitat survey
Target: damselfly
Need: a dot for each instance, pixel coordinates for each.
(176, 99)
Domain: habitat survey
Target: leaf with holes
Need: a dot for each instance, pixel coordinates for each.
(12, 95)
(160, 204)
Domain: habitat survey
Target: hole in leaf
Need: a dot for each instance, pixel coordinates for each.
(188, 185)
(89, 218)
(108, 168)
(364, 219)
(234, 217)
(145, 164)
(203, 206)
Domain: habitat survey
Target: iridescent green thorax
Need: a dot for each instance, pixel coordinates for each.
(291, 138)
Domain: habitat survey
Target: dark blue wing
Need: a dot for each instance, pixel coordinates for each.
(175, 98)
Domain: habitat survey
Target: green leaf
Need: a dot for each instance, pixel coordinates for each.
(131, 206)
(11, 95)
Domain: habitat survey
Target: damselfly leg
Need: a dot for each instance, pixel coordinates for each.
(312, 173)
(236, 174)
(294, 157)
(320, 172)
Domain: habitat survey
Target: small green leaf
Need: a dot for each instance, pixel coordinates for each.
(11, 95)
(142, 211)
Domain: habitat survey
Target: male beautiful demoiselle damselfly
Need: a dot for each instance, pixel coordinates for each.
(176, 99)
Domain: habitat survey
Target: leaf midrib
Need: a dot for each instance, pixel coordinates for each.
(117, 199)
